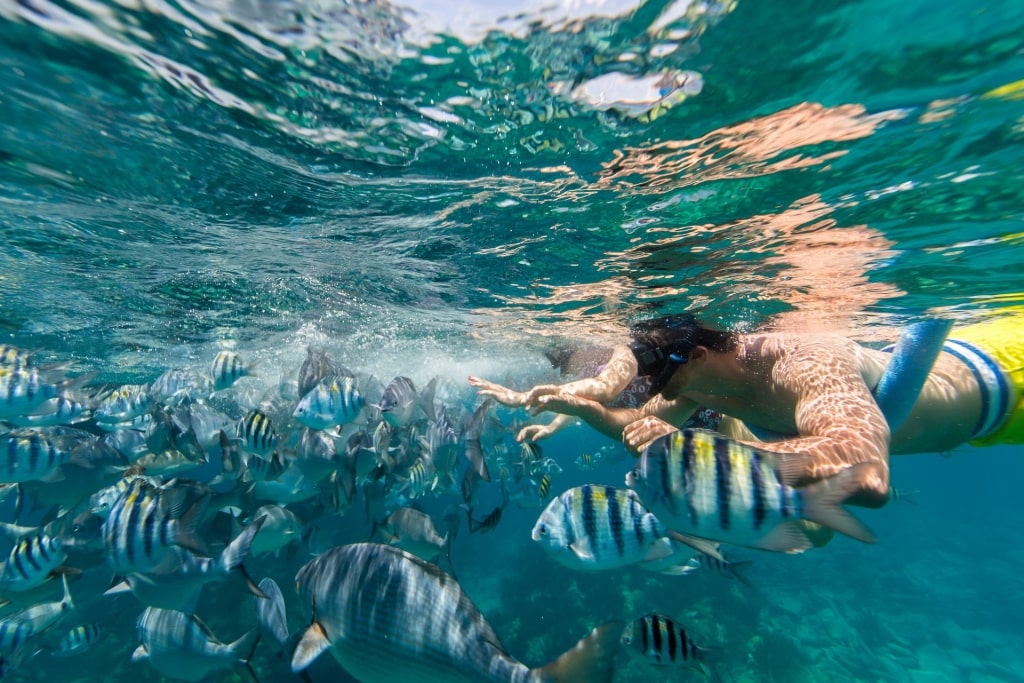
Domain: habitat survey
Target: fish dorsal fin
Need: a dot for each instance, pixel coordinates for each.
(592, 660)
(140, 653)
(313, 643)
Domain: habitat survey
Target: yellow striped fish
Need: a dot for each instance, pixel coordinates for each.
(592, 528)
(702, 484)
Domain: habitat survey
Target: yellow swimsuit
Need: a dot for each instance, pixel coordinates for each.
(994, 351)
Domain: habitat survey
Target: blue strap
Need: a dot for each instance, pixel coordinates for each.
(912, 360)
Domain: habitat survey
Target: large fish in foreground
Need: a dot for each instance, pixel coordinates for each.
(702, 484)
(388, 616)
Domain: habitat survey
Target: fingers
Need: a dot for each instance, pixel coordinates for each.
(639, 435)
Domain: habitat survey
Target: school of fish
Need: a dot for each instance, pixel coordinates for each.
(187, 482)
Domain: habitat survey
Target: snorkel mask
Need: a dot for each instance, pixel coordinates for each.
(658, 363)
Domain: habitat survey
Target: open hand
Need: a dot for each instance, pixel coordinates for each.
(499, 393)
(639, 435)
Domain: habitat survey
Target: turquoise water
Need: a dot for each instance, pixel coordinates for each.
(437, 192)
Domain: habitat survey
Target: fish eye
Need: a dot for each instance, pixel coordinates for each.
(542, 529)
(627, 640)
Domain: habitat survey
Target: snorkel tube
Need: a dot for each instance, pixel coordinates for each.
(912, 359)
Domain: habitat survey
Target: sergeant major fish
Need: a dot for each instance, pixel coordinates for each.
(333, 401)
(592, 528)
(257, 433)
(32, 562)
(227, 368)
(143, 532)
(399, 402)
(663, 643)
(704, 485)
(388, 616)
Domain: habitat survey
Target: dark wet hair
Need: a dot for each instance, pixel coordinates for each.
(661, 345)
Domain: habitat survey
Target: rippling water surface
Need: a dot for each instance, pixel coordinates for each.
(419, 181)
(191, 173)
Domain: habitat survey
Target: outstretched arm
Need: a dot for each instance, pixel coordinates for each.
(616, 375)
(658, 413)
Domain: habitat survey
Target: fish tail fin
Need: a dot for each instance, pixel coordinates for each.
(708, 657)
(739, 570)
(188, 525)
(591, 660)
(823, 502)
(243, 649)
(427, 399)
(232, 557)
(67, 604)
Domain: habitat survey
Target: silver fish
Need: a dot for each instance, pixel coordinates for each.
(280, 528)
(400, 401)
(388, 616)
(182, 647)
(59, 410)
(414, 532)
(703, 485)
(179, 588)
(174, 386)
(334, 401)
(123, 404)
(227, 368)
(594, 528)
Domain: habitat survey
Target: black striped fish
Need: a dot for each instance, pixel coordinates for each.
(334, 401)
(143, 532)
(13, 358)
(79, 639)
(59, 410)
(662, 642)
(123, 404)
(257, 433)
(23, 390)
(726, 567)
(32, 562)
(704, 485)
(388, 616)
(180, 589)
(37, 454)
(227, 368)
(593, 528)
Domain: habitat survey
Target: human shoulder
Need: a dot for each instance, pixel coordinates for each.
(803, 361)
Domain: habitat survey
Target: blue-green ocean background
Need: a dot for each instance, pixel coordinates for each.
(415, 187)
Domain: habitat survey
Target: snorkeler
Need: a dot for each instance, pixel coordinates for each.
(813, 395)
